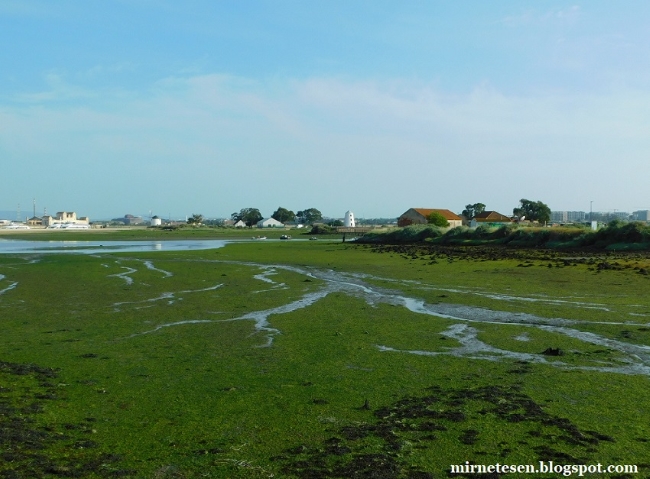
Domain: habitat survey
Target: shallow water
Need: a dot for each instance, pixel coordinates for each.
(9, 288)
(93, 247)
(125, 275)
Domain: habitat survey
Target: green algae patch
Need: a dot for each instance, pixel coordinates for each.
(305, 359)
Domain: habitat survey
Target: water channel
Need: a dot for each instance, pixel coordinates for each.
(95, 247)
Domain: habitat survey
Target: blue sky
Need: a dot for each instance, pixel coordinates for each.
(112, 107)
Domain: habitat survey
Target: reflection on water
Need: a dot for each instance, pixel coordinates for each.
(93, 247)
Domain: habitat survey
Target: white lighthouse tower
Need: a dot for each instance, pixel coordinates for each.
(349, 220)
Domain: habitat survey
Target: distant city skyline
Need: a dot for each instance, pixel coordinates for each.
(375, 107)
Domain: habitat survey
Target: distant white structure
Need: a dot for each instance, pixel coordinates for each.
(349, 222)
(269, 223)
(65, 217)
(155, 221)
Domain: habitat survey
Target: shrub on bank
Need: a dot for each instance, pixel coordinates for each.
(321, 230)
(617, 234)
(406, 235)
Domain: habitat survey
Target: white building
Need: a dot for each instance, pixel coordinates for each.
(349, 222)
(65, 217)
(155, 221)
(269, 223)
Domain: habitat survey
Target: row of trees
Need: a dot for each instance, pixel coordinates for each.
(527, 209)
(251, 216)
(533, 211)
(471, 211)
(195, 219)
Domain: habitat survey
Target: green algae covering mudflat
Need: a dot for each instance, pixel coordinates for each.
(317, 359)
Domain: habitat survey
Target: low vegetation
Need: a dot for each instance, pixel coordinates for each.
(616, 235)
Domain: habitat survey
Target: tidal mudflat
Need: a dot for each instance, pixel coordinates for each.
(313, 359)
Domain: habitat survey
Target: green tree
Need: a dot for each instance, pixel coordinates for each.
(437, 219)
(471, 211)
(195, 219)
(250, 216)
(283, 215)
(533, 211)
(310, 215)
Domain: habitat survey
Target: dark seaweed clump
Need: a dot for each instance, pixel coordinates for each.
(30, 449)
(381, 448)
(594, 260)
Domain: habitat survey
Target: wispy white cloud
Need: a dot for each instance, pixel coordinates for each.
(58, 89)
(557, 16)
(379, 133)
(101, 70)
(26, 7)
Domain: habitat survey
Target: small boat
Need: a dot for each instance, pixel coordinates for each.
(16, 226)
(259, 237)
(75, 226)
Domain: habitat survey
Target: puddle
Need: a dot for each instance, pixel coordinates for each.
(169, 296)
(150, 266)
(125, 275)
(265, 276)
(9, 288)
(150, 300)
(169, 325)
(275, 288)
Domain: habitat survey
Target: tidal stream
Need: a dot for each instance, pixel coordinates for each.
(631, 358)
(624, 357)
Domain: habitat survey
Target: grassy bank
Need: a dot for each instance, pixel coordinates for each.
(151, 364)
(615, 236)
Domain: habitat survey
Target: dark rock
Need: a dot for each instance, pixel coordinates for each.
(553, 352)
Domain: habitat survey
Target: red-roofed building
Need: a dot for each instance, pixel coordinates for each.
(489, 218)
(415, 216)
